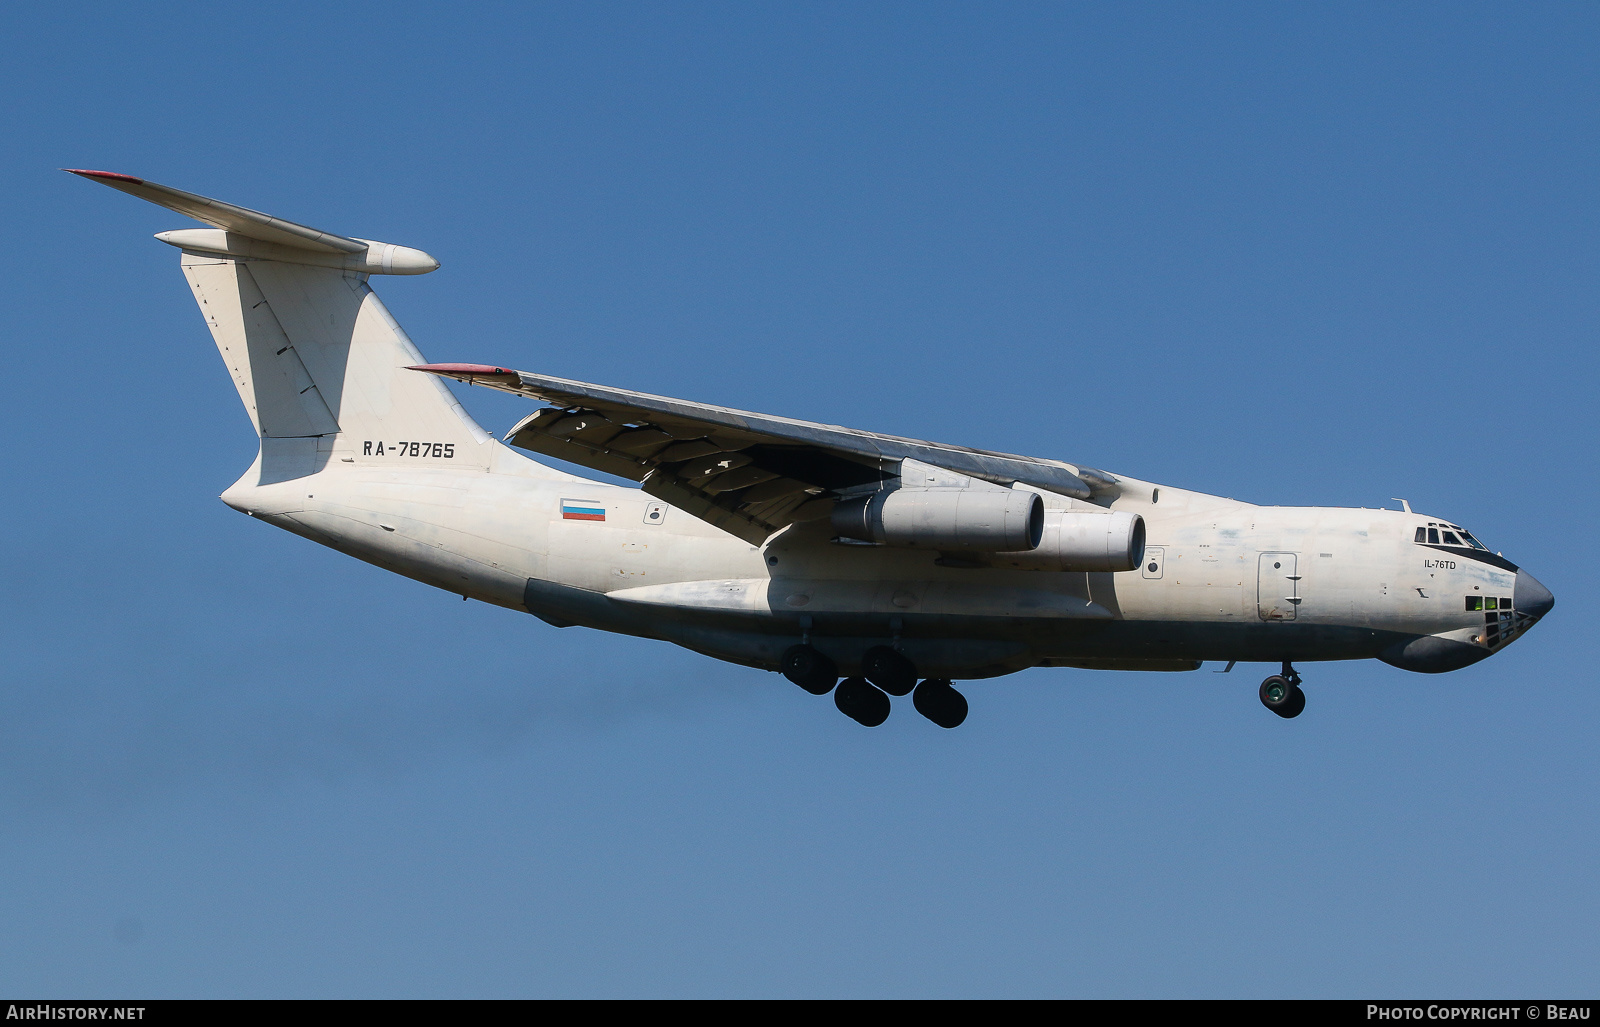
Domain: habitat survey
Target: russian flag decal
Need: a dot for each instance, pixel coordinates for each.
(581, 510)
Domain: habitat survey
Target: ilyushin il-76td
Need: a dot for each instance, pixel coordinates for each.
(854, 563)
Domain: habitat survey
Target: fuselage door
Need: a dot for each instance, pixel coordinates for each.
(1277, 586)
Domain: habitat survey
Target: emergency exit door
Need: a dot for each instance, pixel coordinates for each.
(1277, 586)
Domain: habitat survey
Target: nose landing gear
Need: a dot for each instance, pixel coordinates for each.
(1281, 693)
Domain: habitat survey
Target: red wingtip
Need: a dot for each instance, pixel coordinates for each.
(105, 174)
(474, 370)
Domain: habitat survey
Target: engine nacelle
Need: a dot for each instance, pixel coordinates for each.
(981, 520)
(1092, 541)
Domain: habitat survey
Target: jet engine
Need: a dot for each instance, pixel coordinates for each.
(1080, 541)
(982, 520)
(1112, 541)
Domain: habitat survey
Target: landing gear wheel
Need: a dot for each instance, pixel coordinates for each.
(1282, 696)
(810, 669)
(940, 703)
(888, 670)
(858, 700)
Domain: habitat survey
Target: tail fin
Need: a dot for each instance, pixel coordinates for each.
(319, 362)
(322, 366)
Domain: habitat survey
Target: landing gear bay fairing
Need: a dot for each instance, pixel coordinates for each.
(861, 565)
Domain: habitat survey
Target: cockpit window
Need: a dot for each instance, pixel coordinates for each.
(1452, 535)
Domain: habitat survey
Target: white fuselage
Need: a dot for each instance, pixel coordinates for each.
(1221, 580)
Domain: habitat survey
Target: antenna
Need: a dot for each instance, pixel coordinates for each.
(1403, 504)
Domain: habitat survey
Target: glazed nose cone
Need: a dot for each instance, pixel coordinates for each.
(1530, 597)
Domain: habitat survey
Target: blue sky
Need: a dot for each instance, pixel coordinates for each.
(1292, 254)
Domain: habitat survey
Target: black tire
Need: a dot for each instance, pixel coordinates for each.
(858, 700)
(1276, 692)
(940, 703)
(888, 670)
(1294, 707)
(810, 669)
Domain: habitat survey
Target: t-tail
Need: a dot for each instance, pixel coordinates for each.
(318, 361)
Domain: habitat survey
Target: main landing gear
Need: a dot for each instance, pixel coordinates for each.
(865, 699)
(858, 700)
(1281, 693)
(809, 669)
(940, 703)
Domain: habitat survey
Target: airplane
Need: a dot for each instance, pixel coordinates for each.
(853, 563)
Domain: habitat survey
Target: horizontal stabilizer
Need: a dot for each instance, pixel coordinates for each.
(239, 220)
(252, 235)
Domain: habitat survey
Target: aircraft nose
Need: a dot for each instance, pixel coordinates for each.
(1530, 597)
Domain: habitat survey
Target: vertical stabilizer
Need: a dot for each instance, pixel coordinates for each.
(317, 359)
(321, 366)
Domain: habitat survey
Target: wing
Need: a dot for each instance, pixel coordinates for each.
(747, 473)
